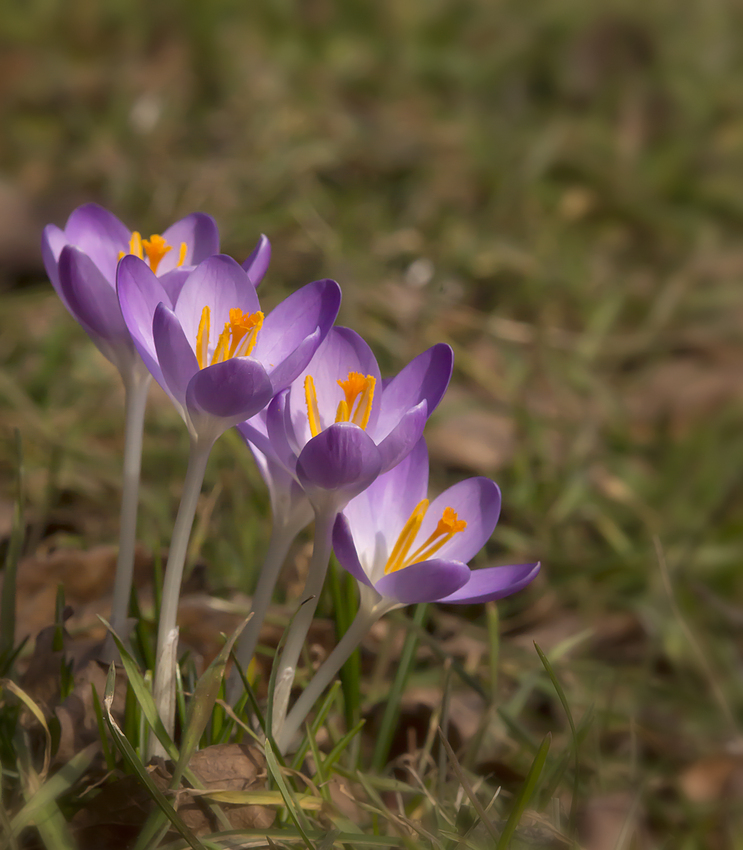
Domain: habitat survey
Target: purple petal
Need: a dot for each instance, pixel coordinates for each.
(403, 436)
(139, 294)
(477, 501)
(99, 234)
(256, 265)
(90, 298)
(254, 437)
(228, 392)
(290, 323)
(345, 551)
(492, 583)
(289, 502)
(342, 459)
(343, 351)
(52, 242)
(277, 428)
(219, 283)
(427, 581)
(377, 515)
(200, 233)
(172, 281)
(288, 370)
(176, 357)
(426, 377)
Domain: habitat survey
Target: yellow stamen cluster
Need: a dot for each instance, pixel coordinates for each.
(238, 338)
(447, 527)
(355, 407)
(155, 248)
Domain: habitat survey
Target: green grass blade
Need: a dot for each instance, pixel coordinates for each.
(526, 793)
(143, 695)
(318, 721)
(134, 762)
(392, 707)
(295, 812)
(576, 750)
(202, 703)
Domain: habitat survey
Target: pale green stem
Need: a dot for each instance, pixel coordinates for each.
(282, 537)
(363, 621)
(165, 671)
(136, 388)
(302, 621)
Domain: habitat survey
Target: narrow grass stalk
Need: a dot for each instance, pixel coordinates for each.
(324, 676)
(282, 537)
(164, 686)
(392, 708)
(136, 389)
(302, 621)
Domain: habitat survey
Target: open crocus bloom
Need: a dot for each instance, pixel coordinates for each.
(339, 426)
(407, 550)
(213, 351)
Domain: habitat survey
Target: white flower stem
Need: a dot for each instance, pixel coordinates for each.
(363, 621)
(165, 669)
(136, 388)
(282, 537)
(302, 621)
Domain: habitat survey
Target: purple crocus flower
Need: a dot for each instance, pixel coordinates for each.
(213, 351)
(407, 550)
(81, 262)
(339, 426)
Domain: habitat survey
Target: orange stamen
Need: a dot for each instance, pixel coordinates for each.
(447, 527)
(156, 248)
(238, 338)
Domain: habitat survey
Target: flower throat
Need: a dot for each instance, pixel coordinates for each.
(355, 407)
(238, 338)
(447, 527)
(155, 248)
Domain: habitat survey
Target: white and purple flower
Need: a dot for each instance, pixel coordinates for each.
(213, 351)
(406, 550)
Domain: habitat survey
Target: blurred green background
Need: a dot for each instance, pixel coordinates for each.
(555, 189)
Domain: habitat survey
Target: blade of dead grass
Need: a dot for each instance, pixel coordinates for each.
(12, 556)
(54, 787)
(39, 715)
(468, 789)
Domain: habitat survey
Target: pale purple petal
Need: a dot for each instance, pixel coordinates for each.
(254, 436)
(219, 283)
(477, 501)
(343, 351)
(200, 233)
(288, 370)
(289, 503)
(427, 581)
(99, 234)
(277, 427)
(378, 515)
(257, 263)
(175, 356)
(426, 377)
(52, 242)
(90, 297)
(492, 583)
(403, 436)
(345, 550)
(292, 321)
(139, 294)
(231, 391)
(342, 459)
(172, 281)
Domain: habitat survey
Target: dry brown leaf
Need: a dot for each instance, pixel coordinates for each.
(712, 778)
(607, 819)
